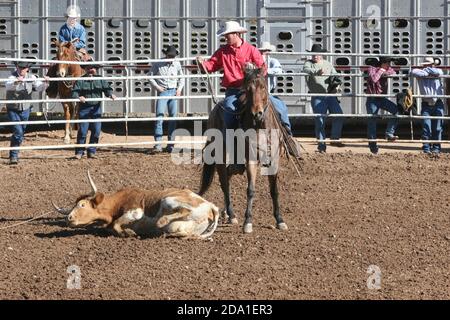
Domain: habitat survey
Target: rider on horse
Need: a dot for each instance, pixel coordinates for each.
(71, 31)
(232, 58)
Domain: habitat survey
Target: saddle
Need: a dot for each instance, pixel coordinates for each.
(83, 56)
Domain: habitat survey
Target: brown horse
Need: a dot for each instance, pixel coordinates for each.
(66, 52)
(256, 115)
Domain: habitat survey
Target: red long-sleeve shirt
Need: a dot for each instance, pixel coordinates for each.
(376, 83)
(232, 61)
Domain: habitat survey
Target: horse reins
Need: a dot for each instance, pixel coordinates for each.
(213, 94)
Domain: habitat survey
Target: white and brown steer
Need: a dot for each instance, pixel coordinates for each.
(137, 212)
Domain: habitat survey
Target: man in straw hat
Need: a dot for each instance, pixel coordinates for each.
(232, 59)
(273, 65)
(430, 85)
(377, 83)
(319, 71)
(20, 86)
(167, 87)
(87, 88)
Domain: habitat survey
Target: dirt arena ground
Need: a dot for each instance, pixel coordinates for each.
(348, 211)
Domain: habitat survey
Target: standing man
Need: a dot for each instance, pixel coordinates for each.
(20, 87)
(430, 85)
(90, 89)
(377, 83)
(167, 87)
(274, 68)
(319, 71)
(273, 65)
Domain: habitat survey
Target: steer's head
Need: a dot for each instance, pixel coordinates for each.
(86, 210)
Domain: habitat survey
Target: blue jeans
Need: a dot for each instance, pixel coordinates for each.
(432, 129)
(160, 109)
(282, 110)
(321, 105)
(89, 112)
(232, 105)
(18, 130)
(373, 105)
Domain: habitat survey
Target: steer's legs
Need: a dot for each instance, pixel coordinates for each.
(180, 213)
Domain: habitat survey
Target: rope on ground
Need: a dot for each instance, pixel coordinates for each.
(27, 221)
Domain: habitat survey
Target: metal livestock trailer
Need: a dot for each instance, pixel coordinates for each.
(139, 29)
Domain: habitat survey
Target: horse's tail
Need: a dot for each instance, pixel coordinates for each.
(208, 171)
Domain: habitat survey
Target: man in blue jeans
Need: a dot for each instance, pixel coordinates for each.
(167, 87)
(377, 83)
(232, 59)
(20, 86)
(90, 89)
(319, 70)
(430, 85)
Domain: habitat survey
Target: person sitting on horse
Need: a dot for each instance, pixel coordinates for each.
(20, 86)
(73, 31)
(232, 58)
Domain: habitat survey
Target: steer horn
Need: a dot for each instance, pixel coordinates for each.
(91, 182)
(62, 211)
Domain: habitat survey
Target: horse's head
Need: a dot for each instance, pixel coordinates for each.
(66, 52)
(256, 97)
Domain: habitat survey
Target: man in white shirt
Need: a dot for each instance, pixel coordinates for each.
(430, 84)
(166, 87)
(20, 86)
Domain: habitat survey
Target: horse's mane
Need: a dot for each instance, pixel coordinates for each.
(253, 78)
(252, 74)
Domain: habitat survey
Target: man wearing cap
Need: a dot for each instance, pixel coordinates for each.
(430, 85)
(166, 87)
(90, 89)
(232, 58)
(319, 71)
(377, 83)
(20, 86)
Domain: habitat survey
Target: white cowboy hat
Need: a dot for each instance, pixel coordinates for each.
(427, 61)
(266, 46)
(231, 27)
(73, 12)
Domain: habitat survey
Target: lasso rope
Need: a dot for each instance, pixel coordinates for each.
(27, 221)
